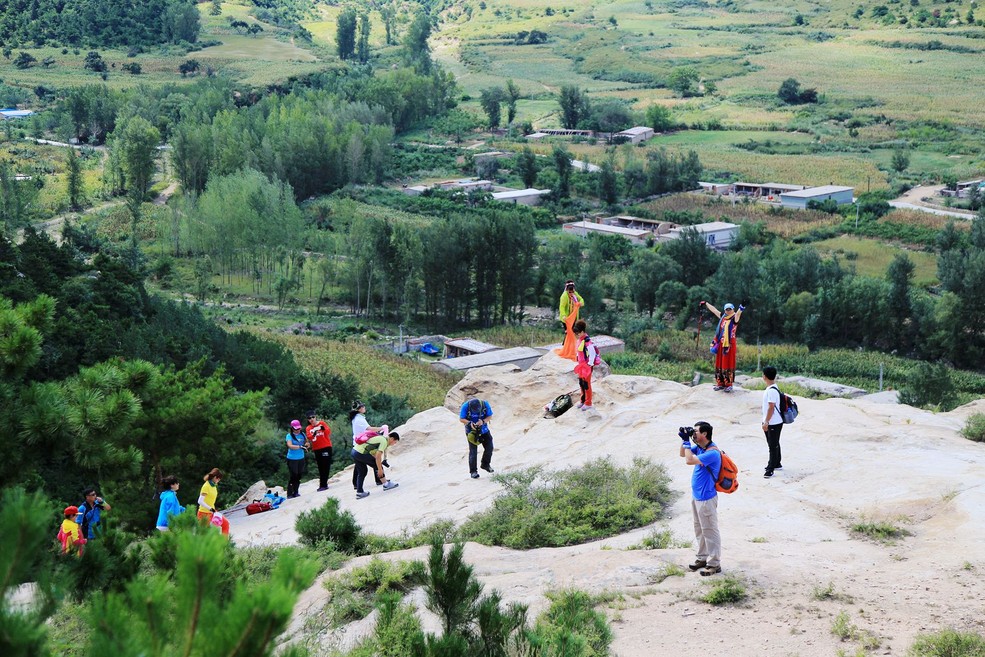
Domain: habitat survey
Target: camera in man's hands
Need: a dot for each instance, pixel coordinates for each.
(685, 433)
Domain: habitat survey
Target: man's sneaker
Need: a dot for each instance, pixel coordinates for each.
(697, 565)
(727, 389)
(487, 468)
(475, 475)
(718, 388)
(710, 570)
(321, 488)
(767, 474)
(390, 485)
(779, 467)
(360, 496)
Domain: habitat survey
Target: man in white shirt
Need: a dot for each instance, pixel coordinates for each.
(772, 420)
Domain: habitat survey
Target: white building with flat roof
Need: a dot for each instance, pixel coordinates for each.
(529, 196)
(717, 234)
(636, 134)
(800, 199)
(583, 228)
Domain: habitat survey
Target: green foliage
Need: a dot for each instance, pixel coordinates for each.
(25, 533)
(900, 161)
(930, 384)
(174, 616)
(974, 428)
(948, 643)
(572, 627)
(660, 118)
(452, 591)
(727, 590)
(326, 524)
(574, 106)
(93, 23)
(683, 80)
(345, 33)
(571, 506)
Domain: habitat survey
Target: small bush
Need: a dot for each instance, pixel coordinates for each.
(328, 525)
(379, 575)
(948, 643)
(974, 428)
(570, 621)
(727, 590)
(571, 506)
(880, 531)
(828, 593)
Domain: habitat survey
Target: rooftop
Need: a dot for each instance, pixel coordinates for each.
(810, 192)
(606, 228)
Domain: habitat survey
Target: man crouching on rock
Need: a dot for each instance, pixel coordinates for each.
(707, 462)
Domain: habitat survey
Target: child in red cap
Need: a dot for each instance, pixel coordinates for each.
(70, 535)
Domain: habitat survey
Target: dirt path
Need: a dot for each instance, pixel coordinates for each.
(53, 226)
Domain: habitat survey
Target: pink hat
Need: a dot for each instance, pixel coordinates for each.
(295, 424)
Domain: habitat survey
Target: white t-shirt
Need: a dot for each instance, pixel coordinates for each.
(359, 424)
(772, 394)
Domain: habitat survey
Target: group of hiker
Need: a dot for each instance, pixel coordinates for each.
(370, 444)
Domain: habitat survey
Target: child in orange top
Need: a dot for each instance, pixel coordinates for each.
(70, 535)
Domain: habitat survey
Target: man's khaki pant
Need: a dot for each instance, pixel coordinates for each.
(706, 530)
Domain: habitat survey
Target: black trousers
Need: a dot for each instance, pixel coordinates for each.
(355, 473)
(773, 442)
(323, 457)
(487, 449)
(295, 470)
(363, 463)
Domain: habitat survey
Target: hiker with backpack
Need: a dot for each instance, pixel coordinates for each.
(587, 356)
(475, 414)
(724, 346)
(704, 455)
(360, 425)
(297, 450)
(89, 517)
(371, 454)
(772, 420)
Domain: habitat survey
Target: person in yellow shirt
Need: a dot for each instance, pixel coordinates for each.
(570, 301)
(207, 499)
(70, 535)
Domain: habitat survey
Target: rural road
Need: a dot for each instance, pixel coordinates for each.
(913, 200)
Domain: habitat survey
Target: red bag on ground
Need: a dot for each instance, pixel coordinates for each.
(258, 507)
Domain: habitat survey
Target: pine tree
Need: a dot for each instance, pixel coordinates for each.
(75, 193)
(452, 591)
(25, 532)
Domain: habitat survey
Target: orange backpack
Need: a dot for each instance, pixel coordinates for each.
(728, 475)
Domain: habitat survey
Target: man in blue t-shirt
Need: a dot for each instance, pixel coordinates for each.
(475, 416)
(707, 462)
(89, 518)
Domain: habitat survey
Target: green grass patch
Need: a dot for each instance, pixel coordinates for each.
(828, 592)
(573, 620)
(355, 593)
(974, 428)
(567, 507)
(375, 369)
(659, 539)
(871, 257)
(948, 643)
(884, 532)
(727, 590)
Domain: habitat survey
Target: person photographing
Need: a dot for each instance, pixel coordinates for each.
(697, 449)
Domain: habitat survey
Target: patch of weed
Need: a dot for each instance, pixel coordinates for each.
(727, 590)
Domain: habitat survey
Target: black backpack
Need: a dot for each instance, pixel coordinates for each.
(558, 407)
(788, 407)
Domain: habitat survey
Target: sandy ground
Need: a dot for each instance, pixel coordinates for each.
(785, 538)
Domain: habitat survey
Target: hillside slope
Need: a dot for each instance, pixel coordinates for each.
(844, 461)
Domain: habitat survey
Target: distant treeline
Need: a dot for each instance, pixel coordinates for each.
(98, 23)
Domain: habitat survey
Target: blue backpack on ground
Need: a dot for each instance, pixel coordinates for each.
(274, 499)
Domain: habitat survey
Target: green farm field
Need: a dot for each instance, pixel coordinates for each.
(872, 258)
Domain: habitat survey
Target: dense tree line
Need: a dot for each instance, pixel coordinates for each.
(98, 23)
